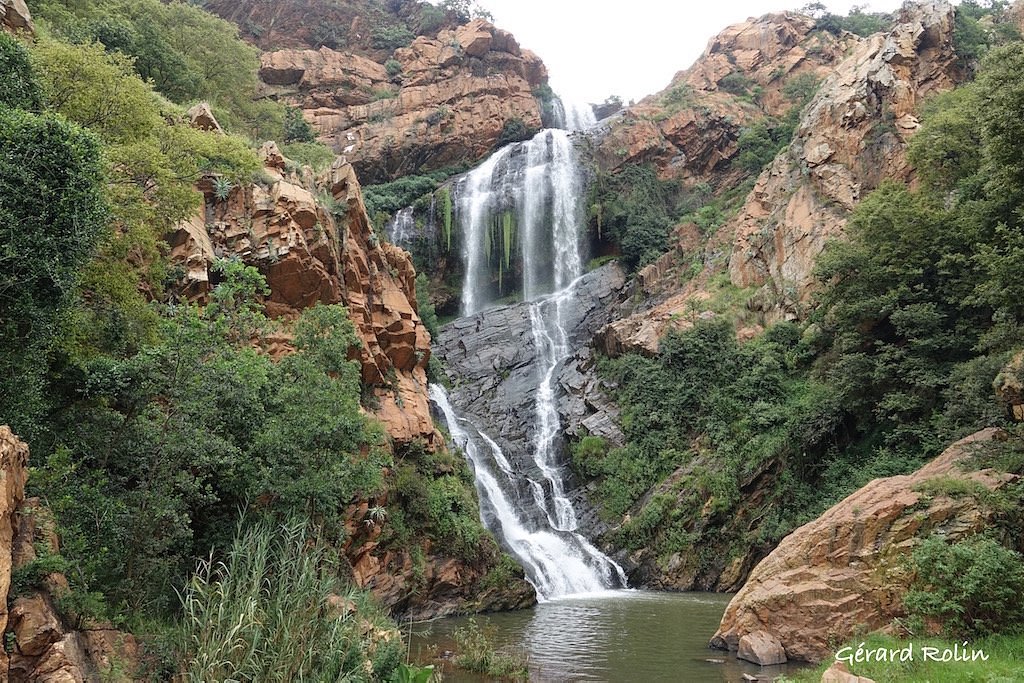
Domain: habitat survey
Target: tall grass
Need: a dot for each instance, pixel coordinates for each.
(275, 610)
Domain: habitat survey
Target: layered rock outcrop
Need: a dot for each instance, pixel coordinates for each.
(312, 240)
(852, 136)
(39, 643)
(15, 17)
(848, 571)
(448, 103)
(690, 130)
(310, 254)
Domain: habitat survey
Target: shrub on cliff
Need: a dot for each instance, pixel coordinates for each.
(19, 88)
(52, 212)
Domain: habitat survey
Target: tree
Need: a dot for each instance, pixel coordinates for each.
(52, 212)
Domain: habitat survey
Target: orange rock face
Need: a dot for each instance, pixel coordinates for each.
(310, 255)
(852, 136)
(690, 129)
(448, 104)
(13, 475)
(846, 572)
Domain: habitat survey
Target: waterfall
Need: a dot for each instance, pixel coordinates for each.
(574, 116)
(537, 182)
(557, 562)
(534, 187)
(401, 229)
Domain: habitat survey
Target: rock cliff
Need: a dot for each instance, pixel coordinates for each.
(847, 571)
(690, 130)
(40, 644)
(312, 240)
(852, 136)
(445, 100)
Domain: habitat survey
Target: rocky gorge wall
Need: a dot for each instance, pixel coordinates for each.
(851, 136)
(447, 105)
(310, 237)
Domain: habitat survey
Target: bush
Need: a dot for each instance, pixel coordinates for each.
(19, 88)
(316, 155)
(296, 128)
(391, 37)
(52, 213)
(974, 587)
(736, 83)
(514, 130)
(393, 67)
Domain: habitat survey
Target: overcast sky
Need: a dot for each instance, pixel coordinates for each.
(631, 48)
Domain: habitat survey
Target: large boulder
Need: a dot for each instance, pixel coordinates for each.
(847, 571)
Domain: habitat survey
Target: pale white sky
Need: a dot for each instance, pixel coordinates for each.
(631, 48)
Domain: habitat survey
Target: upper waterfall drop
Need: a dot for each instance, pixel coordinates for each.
(525, 199)
(574, 116)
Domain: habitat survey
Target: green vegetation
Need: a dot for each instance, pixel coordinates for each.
(514, 130)
(313, 154)
(275, 610)
(973, 588)
(156, 425)
(391, 37)
(979, 25)
(186, 53)
(915, 318)
(19, 88)
(634, 209)
(857, 21)
(1004, 661)
(476, 652)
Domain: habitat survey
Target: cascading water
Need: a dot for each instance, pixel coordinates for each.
(557, 563)
(573, 116)
(537, 182)
(537, 185)
(401, 228)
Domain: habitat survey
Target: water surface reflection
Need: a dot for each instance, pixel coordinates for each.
(619, 636)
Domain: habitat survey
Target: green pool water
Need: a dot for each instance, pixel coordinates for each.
(627, 636)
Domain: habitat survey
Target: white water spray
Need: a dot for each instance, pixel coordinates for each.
(557, 563)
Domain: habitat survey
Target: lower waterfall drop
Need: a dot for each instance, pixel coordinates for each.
(557, 563)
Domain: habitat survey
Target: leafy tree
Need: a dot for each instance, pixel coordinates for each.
(52, 212)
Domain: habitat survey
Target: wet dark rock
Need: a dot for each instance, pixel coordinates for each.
(491, 360)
